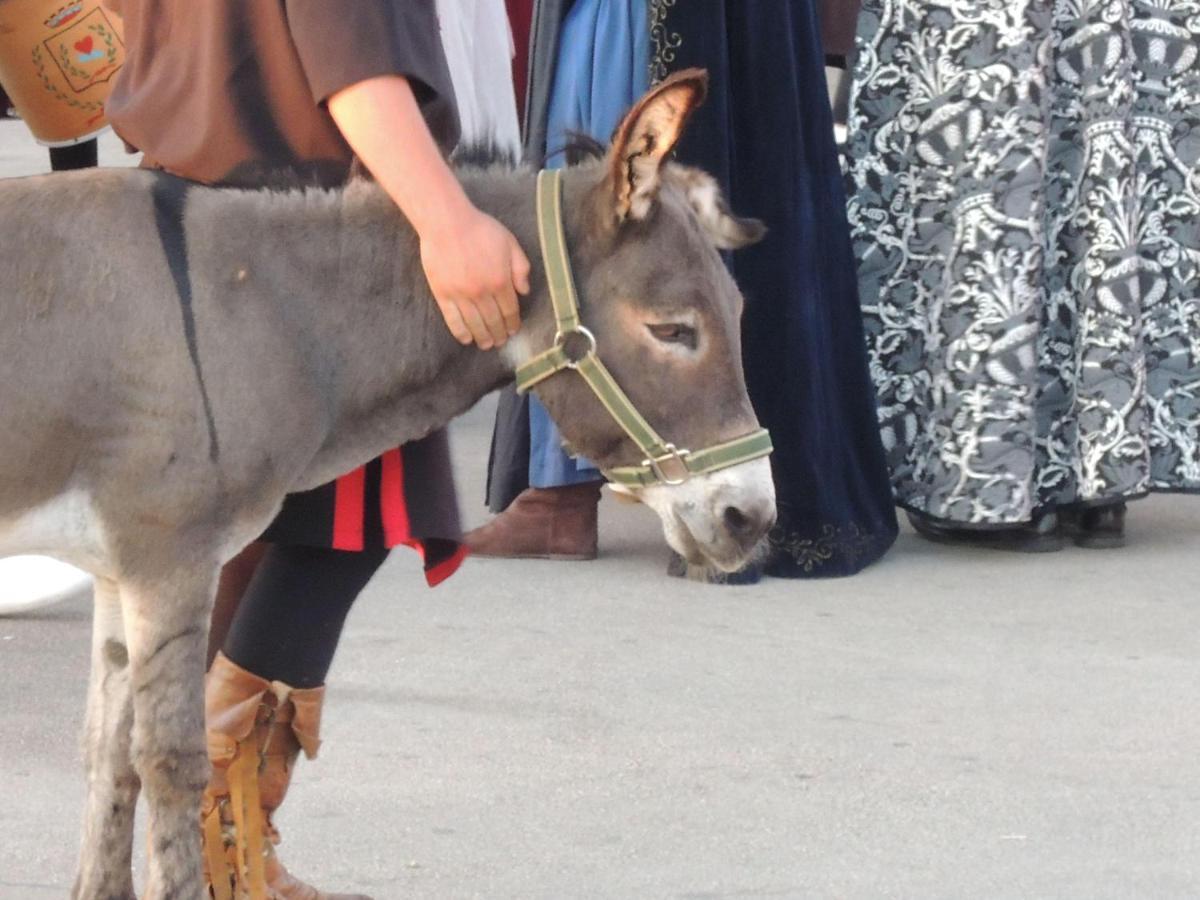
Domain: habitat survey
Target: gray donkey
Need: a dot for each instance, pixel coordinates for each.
(176, 359)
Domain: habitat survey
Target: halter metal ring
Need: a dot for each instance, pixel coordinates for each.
(569, 343)
(673, 457)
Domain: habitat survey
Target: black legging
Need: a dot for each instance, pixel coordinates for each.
(290, 620)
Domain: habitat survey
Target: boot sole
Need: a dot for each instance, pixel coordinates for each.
(1100, 542)
(1044, 544)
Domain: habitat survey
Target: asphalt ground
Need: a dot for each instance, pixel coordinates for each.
(951, 723)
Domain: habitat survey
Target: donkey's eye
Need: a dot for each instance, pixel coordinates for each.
(675, 333)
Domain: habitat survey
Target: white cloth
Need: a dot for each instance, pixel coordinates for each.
(479, 48)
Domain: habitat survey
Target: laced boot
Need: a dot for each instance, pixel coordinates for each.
(256, 730)
(543, 523)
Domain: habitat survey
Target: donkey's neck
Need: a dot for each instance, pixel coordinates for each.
(387, 364)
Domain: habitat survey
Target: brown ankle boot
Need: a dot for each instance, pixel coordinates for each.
(542, 523)
(256, 730)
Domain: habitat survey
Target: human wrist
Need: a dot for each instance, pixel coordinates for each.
(443, 206)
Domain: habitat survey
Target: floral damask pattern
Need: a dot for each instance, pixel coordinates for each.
(1025, 206)
(664, 42)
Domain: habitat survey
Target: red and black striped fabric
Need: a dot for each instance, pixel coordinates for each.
(404, 498)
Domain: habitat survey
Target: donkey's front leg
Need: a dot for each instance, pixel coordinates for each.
(167, 625)
(105, 863)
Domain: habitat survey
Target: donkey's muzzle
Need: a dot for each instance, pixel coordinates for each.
(732, 515)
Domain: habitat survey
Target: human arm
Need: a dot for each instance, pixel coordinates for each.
(474, 265)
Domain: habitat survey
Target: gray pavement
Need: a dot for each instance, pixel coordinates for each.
(951, 723)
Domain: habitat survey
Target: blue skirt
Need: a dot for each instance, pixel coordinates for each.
(601, 69)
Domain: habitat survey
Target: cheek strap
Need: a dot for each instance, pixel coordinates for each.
(574, 349)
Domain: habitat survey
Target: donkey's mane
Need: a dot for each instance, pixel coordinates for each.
(578, 148)
(283, 190)
(480, 155)
(484, 154)
(487, 154)
(473, 157)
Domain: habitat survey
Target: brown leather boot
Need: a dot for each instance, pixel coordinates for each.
(256, 730)
(543, 523)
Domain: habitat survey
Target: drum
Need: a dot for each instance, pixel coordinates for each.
(57, 63)
(31, 582)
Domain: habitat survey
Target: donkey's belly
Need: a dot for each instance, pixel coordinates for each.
(67, 527)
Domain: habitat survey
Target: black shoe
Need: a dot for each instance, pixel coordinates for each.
(1097, 527)
(1039, 536)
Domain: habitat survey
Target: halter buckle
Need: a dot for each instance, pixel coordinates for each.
(673, 457)
(576, 345)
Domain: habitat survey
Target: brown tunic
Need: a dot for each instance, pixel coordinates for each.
(224, 91)
(232, 92)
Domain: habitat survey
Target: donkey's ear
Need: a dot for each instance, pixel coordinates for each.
(727, 231)
(646, 137)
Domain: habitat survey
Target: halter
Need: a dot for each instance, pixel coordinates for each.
(575, 349)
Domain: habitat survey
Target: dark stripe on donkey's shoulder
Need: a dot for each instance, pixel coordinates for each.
(170, 200)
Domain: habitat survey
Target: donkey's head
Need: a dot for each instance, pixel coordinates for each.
(643, 235)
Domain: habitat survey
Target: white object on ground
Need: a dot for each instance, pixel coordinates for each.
(31, 582)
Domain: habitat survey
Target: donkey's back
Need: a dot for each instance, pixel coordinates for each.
(116, 397)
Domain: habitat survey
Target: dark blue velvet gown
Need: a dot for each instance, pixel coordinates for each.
(766, 132)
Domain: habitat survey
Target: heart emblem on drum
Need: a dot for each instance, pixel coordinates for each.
(86, 53)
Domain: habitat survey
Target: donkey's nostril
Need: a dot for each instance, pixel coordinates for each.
(738, 523)
(747, 524)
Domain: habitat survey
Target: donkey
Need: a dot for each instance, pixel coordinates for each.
(177, 359)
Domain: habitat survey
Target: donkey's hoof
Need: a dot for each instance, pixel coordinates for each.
(178, 892)
(678, 567)
(106, 890)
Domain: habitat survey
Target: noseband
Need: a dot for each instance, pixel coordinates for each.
(575, 349)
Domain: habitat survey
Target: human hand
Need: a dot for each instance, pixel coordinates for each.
(475, 269)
